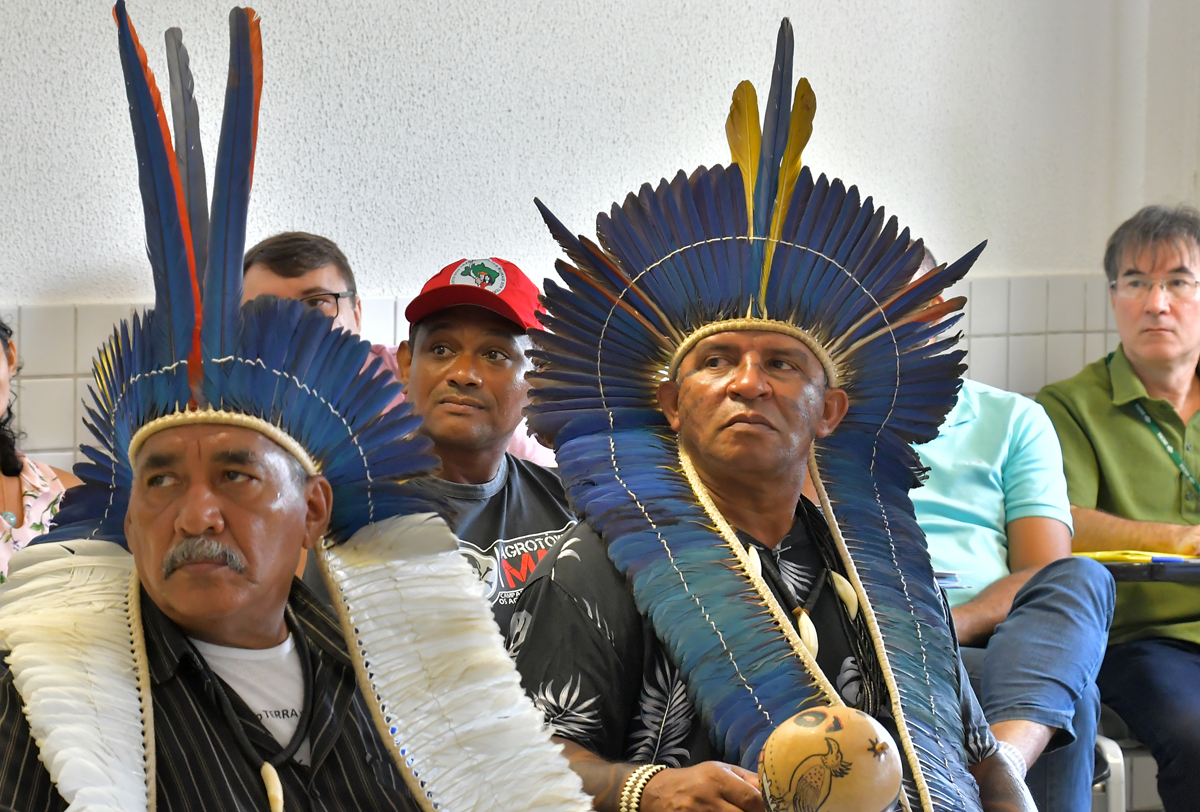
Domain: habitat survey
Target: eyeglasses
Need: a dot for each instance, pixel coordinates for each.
(327, 303)
(1177, 288)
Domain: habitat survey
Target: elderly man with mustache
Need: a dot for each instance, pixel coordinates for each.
(159, 653)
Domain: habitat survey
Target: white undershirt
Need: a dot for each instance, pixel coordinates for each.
(269, 681)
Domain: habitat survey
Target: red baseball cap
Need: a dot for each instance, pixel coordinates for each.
(492, 283)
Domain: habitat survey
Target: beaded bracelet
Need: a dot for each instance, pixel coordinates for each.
(635, 785)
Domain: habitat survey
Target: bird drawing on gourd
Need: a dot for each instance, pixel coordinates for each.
(813, 777)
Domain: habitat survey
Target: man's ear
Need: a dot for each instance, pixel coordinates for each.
(10, 351)
(357, 314)
(668, 401)
(835, 408)
(404, 362)
(318, 499)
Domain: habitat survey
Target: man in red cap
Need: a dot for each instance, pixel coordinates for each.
(311, 268)
(464, 371)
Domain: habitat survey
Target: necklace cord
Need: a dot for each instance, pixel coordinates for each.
(856, 631)
(239, 730)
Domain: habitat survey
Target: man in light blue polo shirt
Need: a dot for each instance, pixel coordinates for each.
(1032, 621)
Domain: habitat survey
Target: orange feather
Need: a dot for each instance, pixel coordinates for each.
(194, 371)
(253, 18)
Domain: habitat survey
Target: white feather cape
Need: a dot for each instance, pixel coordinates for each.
(430, 662)
(64, 614)
(432, 665)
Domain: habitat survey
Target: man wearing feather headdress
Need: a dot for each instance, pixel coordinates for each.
(733, 333)
(159, 652)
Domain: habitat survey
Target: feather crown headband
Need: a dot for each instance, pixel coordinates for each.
(199, 356)
(762, 245)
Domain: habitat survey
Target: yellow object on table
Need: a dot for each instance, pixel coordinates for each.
(1134, 557)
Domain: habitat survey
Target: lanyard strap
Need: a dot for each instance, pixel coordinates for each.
(1166, 444)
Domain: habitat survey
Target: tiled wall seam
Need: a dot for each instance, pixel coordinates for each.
(1020, 333)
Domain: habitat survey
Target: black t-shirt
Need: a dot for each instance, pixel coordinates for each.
(594, 667)
(506, 526)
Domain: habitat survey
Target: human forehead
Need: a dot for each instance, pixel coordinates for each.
(469, 323)
(260, 280)
(1164, 257)
(741, 342)
(208, 443)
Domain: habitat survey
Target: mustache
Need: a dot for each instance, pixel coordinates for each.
(201, 549)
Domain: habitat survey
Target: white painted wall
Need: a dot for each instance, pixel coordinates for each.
(415, 133)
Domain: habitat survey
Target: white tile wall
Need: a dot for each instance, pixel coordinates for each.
(989, 360)
(1066, 304)
(1027, 305)
(989, 308)
(47, 340)
(1026, 362)
(379, 321)
(93, 327)
(1020, 332)
(1097, 303)
(1065, 354)
(47, 413)
(1028, 331)
(56, 345)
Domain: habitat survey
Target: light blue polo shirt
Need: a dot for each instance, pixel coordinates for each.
(996, 459)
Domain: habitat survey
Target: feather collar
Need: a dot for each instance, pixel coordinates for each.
(65, 617)
(444, 693)
(762, 244)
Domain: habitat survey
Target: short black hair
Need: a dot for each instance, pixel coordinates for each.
(1151, 227)
(295, 253)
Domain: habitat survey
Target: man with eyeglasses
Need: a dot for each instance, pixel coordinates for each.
(296, 265)
(311, 268)
(1129, 425)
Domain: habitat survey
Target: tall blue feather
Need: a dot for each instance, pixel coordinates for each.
(165, 246)
(231, 199)
(288, 366)
(188, 154)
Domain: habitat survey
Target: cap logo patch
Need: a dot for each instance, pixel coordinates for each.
(482, 273)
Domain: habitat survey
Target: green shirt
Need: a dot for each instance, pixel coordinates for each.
(1114, 463)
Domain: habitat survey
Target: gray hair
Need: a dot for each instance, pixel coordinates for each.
(1152, 227)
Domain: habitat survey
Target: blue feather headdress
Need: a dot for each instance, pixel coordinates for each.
(407, 601)
(762, 245)
(199, 356)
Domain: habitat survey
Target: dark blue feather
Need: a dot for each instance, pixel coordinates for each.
(165, 244)
(189, 155)
(231, 197)
(776, 121)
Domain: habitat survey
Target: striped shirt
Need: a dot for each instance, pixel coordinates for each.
(199, 763)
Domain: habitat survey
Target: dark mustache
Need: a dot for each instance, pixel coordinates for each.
(198, 549)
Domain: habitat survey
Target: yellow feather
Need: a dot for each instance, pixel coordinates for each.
(804, 108)
(745, 139)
